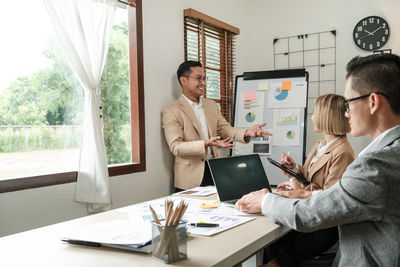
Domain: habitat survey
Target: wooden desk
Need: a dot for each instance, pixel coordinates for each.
(43, 246)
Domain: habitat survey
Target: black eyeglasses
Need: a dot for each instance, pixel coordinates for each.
(199, 78)
(347, 101)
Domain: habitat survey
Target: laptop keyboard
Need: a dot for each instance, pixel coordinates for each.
(233, 202)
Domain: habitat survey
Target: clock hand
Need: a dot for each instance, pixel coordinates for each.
(364, 36)
(376, 30)
(369, 33)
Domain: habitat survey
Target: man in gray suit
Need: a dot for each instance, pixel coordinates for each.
(365, 203)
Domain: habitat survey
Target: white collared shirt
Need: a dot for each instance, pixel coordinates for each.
(373, 144)
(201, 118)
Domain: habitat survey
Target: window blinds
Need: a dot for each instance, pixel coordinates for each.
(212, 42)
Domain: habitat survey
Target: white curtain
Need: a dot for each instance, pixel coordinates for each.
(83, 28)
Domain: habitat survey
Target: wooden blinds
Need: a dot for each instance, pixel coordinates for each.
(212, 42)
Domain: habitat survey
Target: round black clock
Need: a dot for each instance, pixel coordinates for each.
(371, 33)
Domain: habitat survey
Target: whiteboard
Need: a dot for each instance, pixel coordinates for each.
(278, 98)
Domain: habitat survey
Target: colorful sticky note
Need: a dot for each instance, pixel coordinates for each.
(208, 206)
(252, 95)
(286, 86)
(263, 86)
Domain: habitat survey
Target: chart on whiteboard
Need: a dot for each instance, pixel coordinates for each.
(286, 127)
(287, 94)
(251, 107)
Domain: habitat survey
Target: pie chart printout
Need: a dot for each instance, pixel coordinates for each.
(290, 134)
(281, 94)
(250, 117)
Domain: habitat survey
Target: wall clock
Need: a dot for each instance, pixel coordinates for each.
(371, 33)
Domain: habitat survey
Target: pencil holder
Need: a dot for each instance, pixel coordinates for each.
(169, 242)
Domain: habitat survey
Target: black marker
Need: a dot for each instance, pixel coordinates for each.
(205, 224)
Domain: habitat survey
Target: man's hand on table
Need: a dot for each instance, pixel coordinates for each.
(252, 202)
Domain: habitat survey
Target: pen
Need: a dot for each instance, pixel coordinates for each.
(205, 224)
(288, 188)
(81, 242)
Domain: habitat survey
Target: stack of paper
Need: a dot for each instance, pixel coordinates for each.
(116, 234)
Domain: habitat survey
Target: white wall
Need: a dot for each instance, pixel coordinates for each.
(259, 22)
(274, 19)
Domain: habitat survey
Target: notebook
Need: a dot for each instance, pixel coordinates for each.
(236, 176)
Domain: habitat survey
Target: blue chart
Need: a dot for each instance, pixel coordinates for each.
(250, 117)
(281, 94)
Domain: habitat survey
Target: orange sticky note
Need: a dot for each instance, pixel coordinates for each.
(208, 206)
(286, 86)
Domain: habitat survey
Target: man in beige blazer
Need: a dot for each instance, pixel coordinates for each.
(194, 128)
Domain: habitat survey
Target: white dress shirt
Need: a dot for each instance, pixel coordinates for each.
(201, 118)
(372, 145)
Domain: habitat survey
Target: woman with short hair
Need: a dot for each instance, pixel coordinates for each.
(330, 156)
(324, 166)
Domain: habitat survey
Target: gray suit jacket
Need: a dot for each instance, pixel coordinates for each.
(365, 204)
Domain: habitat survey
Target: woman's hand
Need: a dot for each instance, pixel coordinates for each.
(287, 161)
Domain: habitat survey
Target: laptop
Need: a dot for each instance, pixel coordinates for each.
(236, 176)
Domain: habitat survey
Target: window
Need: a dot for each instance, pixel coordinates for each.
(41, 101)
(212, 42)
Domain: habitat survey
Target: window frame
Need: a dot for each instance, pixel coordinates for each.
(136, 77)
(227, 33)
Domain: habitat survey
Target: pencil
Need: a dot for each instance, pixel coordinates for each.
(168, 238)
(154, 215)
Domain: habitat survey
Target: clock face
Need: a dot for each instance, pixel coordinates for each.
(371, 33)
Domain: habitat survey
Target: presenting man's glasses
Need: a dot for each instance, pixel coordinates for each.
(347, 101)
(198, 78)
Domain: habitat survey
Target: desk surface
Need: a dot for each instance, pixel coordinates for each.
(43, 246)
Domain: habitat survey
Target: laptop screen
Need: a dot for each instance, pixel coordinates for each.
(236, 176)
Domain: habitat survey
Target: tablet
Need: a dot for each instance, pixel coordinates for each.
(289, 171)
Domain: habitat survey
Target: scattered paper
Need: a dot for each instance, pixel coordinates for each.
(115, 232)
(199, 191)
(225, 222)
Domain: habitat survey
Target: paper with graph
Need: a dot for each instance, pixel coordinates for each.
(251, 108)
(287, 94)
(286, 127)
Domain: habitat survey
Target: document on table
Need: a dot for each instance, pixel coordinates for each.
(209, 211)
(115, 232)
(225, 222)
(201, 191)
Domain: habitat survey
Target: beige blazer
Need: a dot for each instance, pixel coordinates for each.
(327, 169)
(185, 139)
